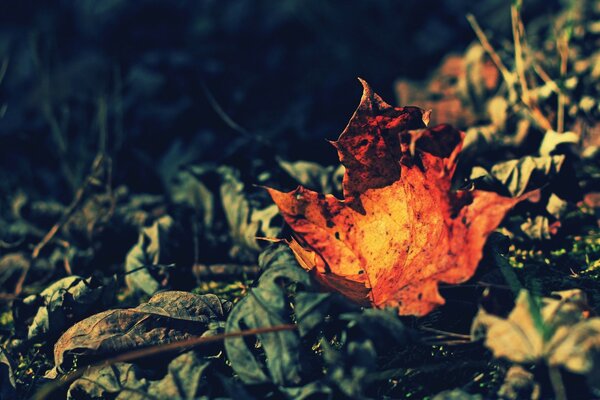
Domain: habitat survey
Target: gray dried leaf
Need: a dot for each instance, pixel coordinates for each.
(516, 177)
(151, 249)
(185, 379)
(167, 317)
(247, 219)
(314, 176)
(63, 303)
(551, 330)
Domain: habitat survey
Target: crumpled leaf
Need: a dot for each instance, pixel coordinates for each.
(516, 177)
(349, 369)
(267, 305)
(366, 335)
(555, 331)
(246, 219)
(314, 176)
(150, 250)
(8, 388)
(282, 359)
(188, 189)
(167, 317)
(400, 229)
(186, 378)
(539, 228)
(61, 304)
(553, 141)
(519, 384)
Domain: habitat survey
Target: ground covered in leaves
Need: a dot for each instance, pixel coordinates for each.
(175, 228)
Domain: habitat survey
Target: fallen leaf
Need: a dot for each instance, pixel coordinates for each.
(267, 305)
(246, 217)
(554, 331)
(516, 177)
(400, 229)
(314, 176)
(519, 384)
(186, 378)
(61, 304)
(151, 249)
(167, 317)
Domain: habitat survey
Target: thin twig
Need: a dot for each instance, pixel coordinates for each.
(97, 164)
(3, 69)
(222, 114)
(49, 388)
(533, 111)
(229, 121)
(563, 51)
(487, 46)
(224, 270)
(545, 77)
(445, 333)
(456, 342)
(517, 31)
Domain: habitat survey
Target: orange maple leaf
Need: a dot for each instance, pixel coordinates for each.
(400, 229)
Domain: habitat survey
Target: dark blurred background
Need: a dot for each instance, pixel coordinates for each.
(142, 80)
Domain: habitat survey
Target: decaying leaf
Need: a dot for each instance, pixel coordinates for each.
(315, 176)
(246, 219)
(61, 304)
(151, 249)
(185, 379)
(516, 177)
(400, 229)
(519, 384)
(168, 316)
(554, 331)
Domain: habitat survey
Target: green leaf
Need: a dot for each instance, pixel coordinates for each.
(167, 317)
(268, 305)
(311, 309)
(365, 335)
(61, 304)
(150, 250)
(379, 326)
(349, 369)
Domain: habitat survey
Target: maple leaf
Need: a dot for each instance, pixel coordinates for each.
(400, 228)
